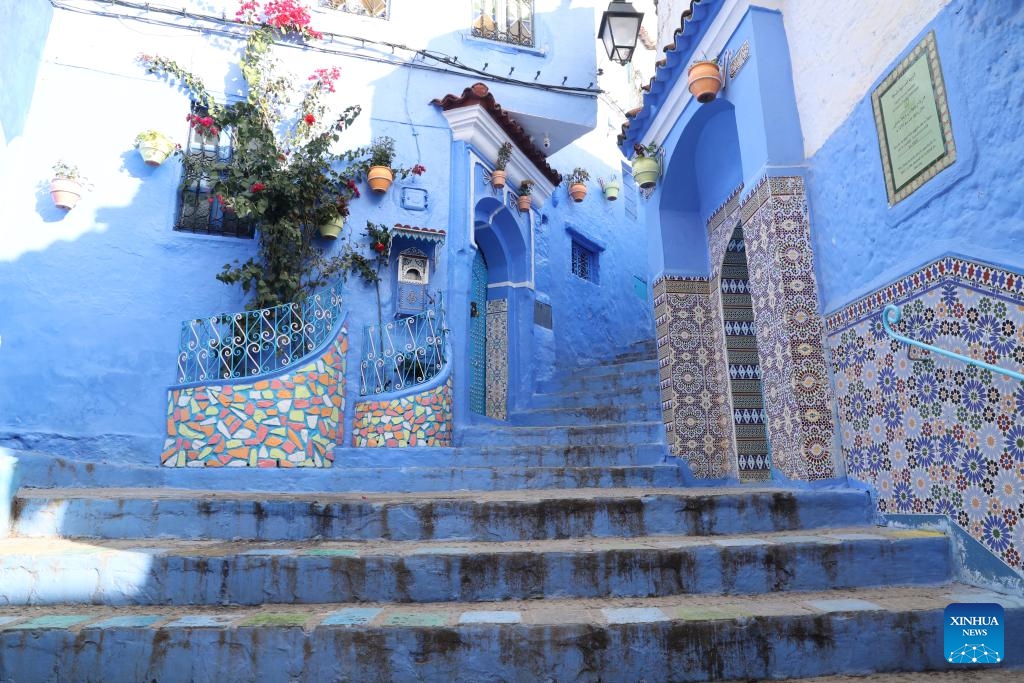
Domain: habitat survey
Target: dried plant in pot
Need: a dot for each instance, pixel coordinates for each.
(610, 187)
(498, 177)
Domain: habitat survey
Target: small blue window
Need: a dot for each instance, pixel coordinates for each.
(584, 262)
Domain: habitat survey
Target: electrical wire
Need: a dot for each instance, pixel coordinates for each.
(443, 63)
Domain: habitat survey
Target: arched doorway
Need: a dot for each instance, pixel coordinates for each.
(753, 453)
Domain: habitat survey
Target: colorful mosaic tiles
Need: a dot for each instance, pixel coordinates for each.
(934, 435)
(789, 329)
(694, 378)
(423, 419)
(290, 420)
(497, 359)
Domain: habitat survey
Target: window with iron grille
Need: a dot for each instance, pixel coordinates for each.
(380, 9)
(508, 21)
(584, 262)
(199, 210)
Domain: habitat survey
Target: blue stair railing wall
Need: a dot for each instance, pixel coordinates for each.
(249, 343)
(891, 315)
(403, 353)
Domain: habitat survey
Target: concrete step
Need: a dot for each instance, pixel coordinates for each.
(640, 366)
(597, 415)
(647, 394)
(584, 381)
(672, 638)
(483, 516)
(562, 435)
(600, 455)
(161, 572)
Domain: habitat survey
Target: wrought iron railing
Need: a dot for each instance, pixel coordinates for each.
(403, 353)
(891, 315)
(250, 343)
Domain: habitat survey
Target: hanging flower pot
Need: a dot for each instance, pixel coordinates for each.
(380, 178)
(577, 191)
(332, 228)
(524, 202)
(498, 179)
(611, 191)
(154, 147)
(65, 192)
(646, 171)
(704, 80)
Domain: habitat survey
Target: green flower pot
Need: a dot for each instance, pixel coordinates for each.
(332, 228)
(646, 171)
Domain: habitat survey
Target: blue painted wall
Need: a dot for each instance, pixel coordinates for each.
(26, 24)
(972, 208)
(92, 299)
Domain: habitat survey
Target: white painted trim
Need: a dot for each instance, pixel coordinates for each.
(477, 127)
(513, 285)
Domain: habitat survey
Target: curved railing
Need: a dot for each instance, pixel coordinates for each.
(403, 353)
(891, 315)
(248, 343)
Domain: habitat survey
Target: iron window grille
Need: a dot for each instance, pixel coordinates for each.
(199, 210)
(584, 262)
(507, 21)
(380, 9)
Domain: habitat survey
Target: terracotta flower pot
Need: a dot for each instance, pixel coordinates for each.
(577, 191)
(704, 81)
(332, 228)
(646, 171)
(611, 192)
(155, 152)
(380, 178)
(498, 179)
(524, 202)
(65, 192)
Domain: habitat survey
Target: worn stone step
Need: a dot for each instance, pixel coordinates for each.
(161, 572)
(673, 638)
(646, 366)
(592, 415)
(599, 455)
(573, 435)
(584, 381)
(485, 516)
(645, 394)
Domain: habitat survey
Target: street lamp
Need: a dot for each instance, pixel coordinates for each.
(620, 26)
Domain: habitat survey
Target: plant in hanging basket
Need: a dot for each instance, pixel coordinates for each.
(504, 155)
(646, 166)
(66, 185)
(704, 80)
(577, 183)
(610, 187)
(154, 147)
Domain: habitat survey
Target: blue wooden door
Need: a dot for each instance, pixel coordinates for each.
(478, 336)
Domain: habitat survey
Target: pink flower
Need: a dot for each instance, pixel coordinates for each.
(418, 169)
(258, 187)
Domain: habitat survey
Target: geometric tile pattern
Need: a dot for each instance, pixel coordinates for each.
(290, 420)
(694, 378)
(930, 434)
(423, 419)
(497, 359)
(744, 366)
(789, 329)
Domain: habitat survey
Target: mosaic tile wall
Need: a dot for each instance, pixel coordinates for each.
(694, 378)
(790, 331)
(290, 420)
(423, 419)
(497, 359)
(936, 435)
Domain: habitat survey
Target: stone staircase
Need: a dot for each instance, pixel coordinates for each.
(564, 548)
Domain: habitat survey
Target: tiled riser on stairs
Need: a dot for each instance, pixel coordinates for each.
(240, 574)
(756, 647)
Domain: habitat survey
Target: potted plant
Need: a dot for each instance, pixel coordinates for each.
(577, 183)
(610, 187)
(646, 167)
(704, 79)
(205, 129)
(504, 154)
(66, 185)
(382, 155)
(154, 147)
(525, 201)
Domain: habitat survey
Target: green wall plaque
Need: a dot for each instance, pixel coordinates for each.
(915, 137)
